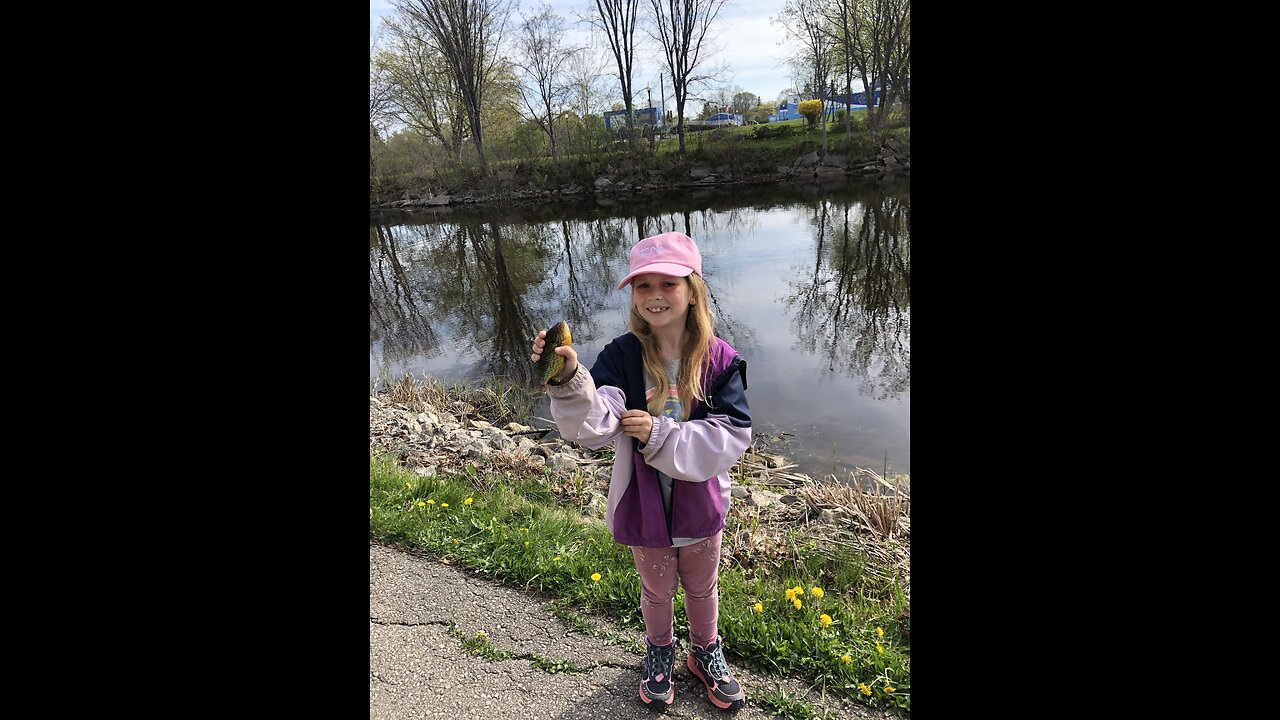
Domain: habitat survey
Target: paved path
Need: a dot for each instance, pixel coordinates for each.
(419, 669)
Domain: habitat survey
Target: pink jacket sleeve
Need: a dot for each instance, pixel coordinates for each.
(589, 416)
(695, 450)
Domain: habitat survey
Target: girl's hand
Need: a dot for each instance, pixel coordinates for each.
(570, 356)
(638, 424)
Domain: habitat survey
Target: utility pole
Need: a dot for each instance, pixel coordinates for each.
(648, 87)
(662, 86)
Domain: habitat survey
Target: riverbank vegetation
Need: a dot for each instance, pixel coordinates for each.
(804, 602)
(481, 112)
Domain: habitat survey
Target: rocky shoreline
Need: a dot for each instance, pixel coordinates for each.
(894, 159)
(429, 439)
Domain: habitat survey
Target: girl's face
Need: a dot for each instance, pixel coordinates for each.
(663, 300)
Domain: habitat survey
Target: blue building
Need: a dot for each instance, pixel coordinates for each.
(787, 108)
(616, 120)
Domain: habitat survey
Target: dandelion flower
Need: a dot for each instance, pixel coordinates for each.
(408, 486)
(879, 647)
(556, 559)
(595, 576)
(825, 619)
(455, 541)
(880, 631)
(444, 505)
(526, 543)
(864, 689)
(817, 591)
(799, 590)
(481, 633)
(888, 689)
(524, 529)
(421, 504)
(846, 659)
(797, 603)
(467, 501)
(431, 502)
(758, 607)
(791, 594)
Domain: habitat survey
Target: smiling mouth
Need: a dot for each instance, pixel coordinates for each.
(656, 310)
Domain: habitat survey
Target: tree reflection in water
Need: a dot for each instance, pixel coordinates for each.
(854, 308)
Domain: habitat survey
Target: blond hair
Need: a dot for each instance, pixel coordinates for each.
(699, 328)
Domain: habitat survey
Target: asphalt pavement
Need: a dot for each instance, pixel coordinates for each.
(421, 609)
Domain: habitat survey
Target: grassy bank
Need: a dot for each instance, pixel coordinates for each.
(742, 151)
(819, 615)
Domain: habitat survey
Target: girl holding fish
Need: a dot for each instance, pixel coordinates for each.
(670, 397)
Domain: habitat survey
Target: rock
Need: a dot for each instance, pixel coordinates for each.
(562, 463)
(516, 427)
(426, 471)
(698, 173)
(480, 424)
(603, 183)
(739, 492)
(789, 500)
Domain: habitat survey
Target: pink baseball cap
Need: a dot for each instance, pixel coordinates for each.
(670, 253)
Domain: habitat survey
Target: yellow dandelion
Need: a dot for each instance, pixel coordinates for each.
(431, 502)
(880, 631)
(864, 689)
(556, 559)
(846, 659)
(481, 633)
(467, 501)
(879, 647)
(524, 529)
(421, 504)
(799, 590)
(444, 505)
(825, 619)
(408, 486)
(888, 689)
(526, 543)
(791, 594)
(797, 603)
(758, 607)
(595, 576)
(817, 591)
(455, 541)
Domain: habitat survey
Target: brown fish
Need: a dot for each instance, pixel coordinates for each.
(551, 364)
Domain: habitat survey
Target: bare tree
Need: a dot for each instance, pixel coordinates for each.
(806, 23)
(617, 20)
(466, 33)
(838, 15)
(423, 96)
(544, 55)
(585, 79)
(880, 44)
(681, 27)
(898, 51)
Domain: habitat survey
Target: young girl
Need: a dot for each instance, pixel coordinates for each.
(670, 396)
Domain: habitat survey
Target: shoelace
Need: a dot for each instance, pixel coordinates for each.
(661, 657)
(717, 665)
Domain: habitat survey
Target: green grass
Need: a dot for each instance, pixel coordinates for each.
(785, 705)
(517, 534)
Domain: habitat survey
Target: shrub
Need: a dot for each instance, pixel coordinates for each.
(810, 109)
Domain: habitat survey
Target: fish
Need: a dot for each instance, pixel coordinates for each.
(551, 364)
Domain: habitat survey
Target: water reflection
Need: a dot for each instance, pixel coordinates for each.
(854, 307)
(401, 322)
(822, 315)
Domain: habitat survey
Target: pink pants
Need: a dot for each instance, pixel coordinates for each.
(696, 566)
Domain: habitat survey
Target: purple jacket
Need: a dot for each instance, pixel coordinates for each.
(698, 451)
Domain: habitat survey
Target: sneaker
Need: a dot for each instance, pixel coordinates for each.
(709, 665)
(658, 666)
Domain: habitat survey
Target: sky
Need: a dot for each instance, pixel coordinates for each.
(749, 44)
